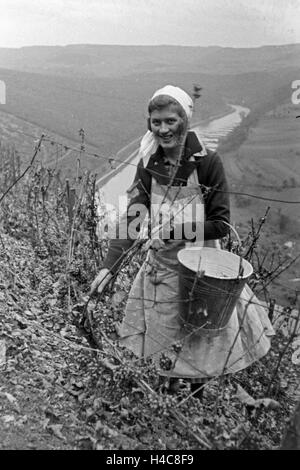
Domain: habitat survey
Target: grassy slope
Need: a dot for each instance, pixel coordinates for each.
(112, 112)
(264, 165)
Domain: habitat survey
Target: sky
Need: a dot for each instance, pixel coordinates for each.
(231, 23)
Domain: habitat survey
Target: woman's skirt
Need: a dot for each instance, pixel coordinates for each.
(152, 327)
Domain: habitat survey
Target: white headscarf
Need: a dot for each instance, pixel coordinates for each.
(149, 144)
(179, 95)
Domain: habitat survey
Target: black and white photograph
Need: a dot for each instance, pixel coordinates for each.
(150, 227)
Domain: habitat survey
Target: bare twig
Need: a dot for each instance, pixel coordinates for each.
(36, 151)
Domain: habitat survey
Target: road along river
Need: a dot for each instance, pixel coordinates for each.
(210, 134)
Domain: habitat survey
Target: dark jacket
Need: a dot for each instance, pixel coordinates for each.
(210, 174)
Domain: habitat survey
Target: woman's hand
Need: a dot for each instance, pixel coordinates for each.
(154, 244)
(101, 281)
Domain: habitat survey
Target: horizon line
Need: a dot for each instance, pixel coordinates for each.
(152, 45)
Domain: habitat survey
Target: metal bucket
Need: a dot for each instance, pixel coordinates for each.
(210, 283)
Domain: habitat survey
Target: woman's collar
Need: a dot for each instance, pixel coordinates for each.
(193, 147)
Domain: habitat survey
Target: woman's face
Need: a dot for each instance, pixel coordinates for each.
(167, 126)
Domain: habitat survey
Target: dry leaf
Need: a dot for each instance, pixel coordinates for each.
(13, 401)
(56, 429)
(118, 297)
(268, 403)
(52, 417)
(106, 430)
(2, 352)
(45, 423)
(296, 353)
(65, 331)
(22, 322)
(108, 365)
(244, 397)
(8, 419)
(28, 314)
(283, 383)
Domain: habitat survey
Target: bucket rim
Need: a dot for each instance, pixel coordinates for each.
(207, 249)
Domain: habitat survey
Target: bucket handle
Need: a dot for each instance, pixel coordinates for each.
(193, 247)
(234, 231)
(241, 269)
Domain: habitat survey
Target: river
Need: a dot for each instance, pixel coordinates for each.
(210, 134)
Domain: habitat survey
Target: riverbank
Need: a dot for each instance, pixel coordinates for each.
(206, 121)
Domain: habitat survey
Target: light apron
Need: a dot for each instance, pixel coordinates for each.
(152, 327)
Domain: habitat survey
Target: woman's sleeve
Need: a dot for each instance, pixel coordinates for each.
(128, 228)
(217, 205)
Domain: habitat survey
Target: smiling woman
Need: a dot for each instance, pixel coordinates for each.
(174, 167)
(168, 123)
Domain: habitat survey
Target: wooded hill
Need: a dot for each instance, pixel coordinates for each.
(115, 61)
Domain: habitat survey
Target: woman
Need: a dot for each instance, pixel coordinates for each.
(171, 183)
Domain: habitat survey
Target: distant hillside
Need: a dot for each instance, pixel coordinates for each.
(116, 61)
(113, 111)
(105, 89)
